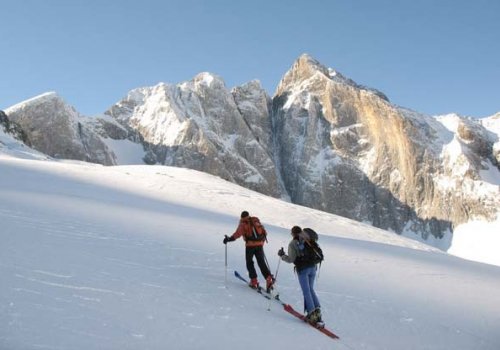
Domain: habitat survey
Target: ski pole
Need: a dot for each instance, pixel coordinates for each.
(277, 268)
(225, 264)
(275, 279)
(267, 263)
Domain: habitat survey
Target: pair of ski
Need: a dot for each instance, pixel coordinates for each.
(288, 308)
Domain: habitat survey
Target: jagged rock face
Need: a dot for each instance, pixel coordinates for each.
(109, 128)
(322, 139)
(13, 129)
(56, 129)
(201, 125)
(344, 148)
(379, 163)
(254, 105)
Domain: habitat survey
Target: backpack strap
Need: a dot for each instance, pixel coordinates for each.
(254, 230)
(252, 226)
(307, 241)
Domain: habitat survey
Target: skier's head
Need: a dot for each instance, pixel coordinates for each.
(244, 214)
(296, 230)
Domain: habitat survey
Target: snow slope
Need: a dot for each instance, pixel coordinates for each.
(131, 257)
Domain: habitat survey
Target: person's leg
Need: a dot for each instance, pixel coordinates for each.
(261, 261)
(312, 278)
(306, 289)
(249, 253)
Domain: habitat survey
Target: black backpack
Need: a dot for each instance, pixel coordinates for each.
(312, 234)
(310, 252)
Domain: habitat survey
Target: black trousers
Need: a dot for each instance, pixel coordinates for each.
(258, 252)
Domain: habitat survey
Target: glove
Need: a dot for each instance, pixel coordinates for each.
(227, 239)
(281, 252)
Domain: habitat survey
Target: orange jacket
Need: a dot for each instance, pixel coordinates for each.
(245, 229)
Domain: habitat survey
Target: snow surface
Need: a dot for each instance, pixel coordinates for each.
(491, 123)
(482, 245)
(131, 257)
(126, 151)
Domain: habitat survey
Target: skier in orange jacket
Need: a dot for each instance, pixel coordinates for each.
(255, 235)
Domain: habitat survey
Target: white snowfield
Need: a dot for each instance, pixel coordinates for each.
(131, 257)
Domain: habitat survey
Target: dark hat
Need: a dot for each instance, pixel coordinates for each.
(244, 214)
(296, 230)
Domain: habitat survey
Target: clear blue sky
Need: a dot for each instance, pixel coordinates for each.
(433, 56)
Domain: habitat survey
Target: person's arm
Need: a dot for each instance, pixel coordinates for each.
(237, 234)
(292, 253)
(239, 231)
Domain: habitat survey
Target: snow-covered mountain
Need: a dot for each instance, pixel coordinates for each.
(131, 257)
(201, 125)
(344, 148)
(57, 129)
(323, 141)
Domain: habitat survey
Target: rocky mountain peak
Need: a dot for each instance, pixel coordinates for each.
(386, 158)
(252, 85)
(202, 125)
(41, 101)
(308, 73)
(306, 63)
(252, 92)
(206, 80)
(58, 130)
(302, 70)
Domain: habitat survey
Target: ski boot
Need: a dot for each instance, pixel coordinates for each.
(314, 316)
(318, 321)
(269, 283)
(254, 283)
